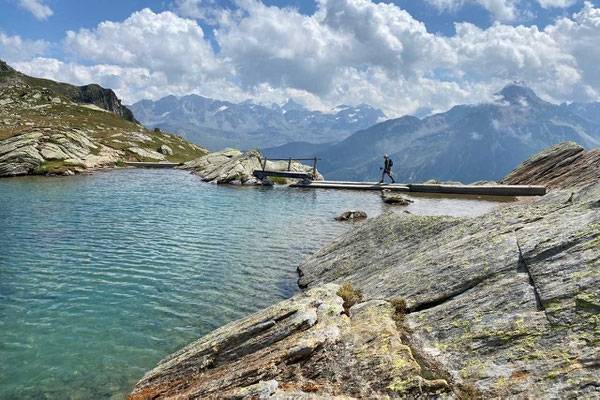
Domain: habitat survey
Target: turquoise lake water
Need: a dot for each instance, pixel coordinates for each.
(102, 276)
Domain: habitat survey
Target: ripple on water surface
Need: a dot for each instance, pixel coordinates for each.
(101, 276)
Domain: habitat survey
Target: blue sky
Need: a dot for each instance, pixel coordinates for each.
(401, 56)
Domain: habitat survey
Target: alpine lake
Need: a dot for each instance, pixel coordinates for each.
(103, 275)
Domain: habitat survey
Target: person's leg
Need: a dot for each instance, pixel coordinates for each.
(390, 175)
(382, 177)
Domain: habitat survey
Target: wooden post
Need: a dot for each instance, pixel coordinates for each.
(290, 165)
(265, 164)
(315, 168)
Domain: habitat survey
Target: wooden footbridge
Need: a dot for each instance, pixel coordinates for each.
(306, 176)
(308, 181)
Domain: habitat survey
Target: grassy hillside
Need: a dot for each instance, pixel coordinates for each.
(42, 129)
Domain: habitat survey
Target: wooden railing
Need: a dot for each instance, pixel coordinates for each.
(289, 160)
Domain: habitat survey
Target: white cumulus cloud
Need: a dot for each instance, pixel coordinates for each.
(37, 7)
(163, 42)
(502, 10)
(348, 51)
(556, 3)
(284, 47)
(14, 48)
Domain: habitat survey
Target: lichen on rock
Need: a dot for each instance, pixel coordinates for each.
(302, 345)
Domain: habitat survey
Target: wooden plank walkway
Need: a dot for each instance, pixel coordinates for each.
(352, 185)
(152, 164)
(483, 190)
(259, 174)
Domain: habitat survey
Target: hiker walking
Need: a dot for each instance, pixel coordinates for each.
(387, 169)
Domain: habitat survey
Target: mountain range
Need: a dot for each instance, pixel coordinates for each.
(218, 124)
(467, 143)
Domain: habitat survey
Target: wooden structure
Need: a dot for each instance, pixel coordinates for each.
(152, 164)
(263, 173)
(480, 190)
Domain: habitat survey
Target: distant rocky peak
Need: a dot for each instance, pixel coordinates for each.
(291, 105)
(339, 108)
(277, 108)
(517, 93)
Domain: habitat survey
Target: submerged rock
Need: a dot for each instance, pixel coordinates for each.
(394, 199)
(351, 215)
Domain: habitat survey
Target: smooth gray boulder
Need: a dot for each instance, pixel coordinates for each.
(52, 152)
(147, 154)
(351, 215)
(165, 150)
(19, 155)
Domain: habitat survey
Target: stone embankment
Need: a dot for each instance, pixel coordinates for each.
(502, 305)
(231, 166)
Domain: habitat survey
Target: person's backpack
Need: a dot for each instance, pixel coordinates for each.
(391, 163)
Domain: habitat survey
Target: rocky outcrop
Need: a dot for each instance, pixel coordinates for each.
(502, 305)
(43, 132)
(90, 94)
(234, 167)
(18, 155)
(163, 148)
(565, 165)
(99, 96)
(304, 347)
(506, 304)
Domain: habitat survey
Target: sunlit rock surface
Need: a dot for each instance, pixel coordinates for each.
(300, 348)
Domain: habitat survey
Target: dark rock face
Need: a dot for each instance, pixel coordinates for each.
(103, 98)
(502, 305)
(5, 68)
